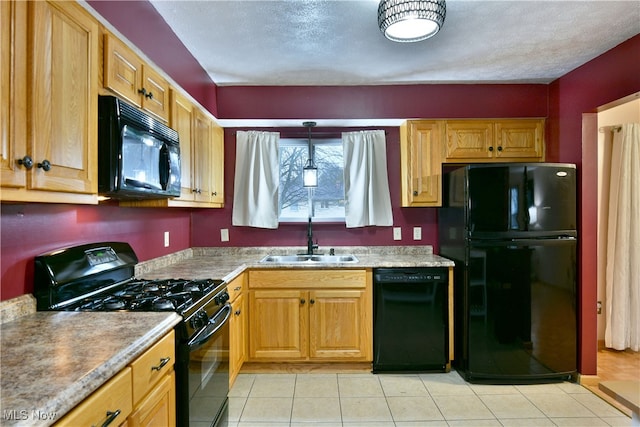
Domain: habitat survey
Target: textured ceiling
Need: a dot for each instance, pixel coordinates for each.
(310, 42)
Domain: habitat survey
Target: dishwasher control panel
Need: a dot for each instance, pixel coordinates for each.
(410, 275)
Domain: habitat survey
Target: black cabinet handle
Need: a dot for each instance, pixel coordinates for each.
(499, 147)
(415, 192)
(149, 95)
(302, 301)
(215, 193)
(163, 362)
(142, 91)
(312, 301)
(490, 148)
(237, 313)
(111, 415)
(26, 161)
(45, 165)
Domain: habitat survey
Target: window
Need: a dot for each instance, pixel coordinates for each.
(324, 203)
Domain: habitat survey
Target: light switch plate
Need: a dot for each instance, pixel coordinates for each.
(417, 233)
(397, 233)
(166, 239)
(224, 234)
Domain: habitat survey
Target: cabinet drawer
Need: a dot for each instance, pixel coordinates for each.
(113, 396)
(236, 286)
(149, 368)
(305, 278)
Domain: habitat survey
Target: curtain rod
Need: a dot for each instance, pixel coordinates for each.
(315, 134)
(616, 128)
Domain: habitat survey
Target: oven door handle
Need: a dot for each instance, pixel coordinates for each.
(211, 328)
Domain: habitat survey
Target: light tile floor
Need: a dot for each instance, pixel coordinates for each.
(408, 400)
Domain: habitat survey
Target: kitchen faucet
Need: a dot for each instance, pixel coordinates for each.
(310, 245)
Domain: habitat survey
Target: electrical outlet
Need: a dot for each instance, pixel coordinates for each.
(166, 239)
(417, 233)
(224, 234)
(397, 233)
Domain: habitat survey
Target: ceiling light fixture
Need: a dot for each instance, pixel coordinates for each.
(310, 171)
(410, 20)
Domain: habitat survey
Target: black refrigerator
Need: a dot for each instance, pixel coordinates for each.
(511, 230)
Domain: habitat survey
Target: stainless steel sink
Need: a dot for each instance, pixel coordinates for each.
(311, 259)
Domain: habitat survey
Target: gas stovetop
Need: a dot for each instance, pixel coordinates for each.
(149, 295)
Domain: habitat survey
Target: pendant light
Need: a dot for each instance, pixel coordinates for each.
(410, 20)
(310, 171)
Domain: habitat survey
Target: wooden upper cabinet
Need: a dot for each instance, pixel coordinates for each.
(469, 140)
(126, 74)
(182, 112)
(217, 165)
(520, 139)
(513, 140)
(202, 160)
(420, 166)
(13, 93)
(52, 158)
(64, 101)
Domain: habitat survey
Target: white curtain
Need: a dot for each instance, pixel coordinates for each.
(255, 192)
(366, 185)
(622, 329)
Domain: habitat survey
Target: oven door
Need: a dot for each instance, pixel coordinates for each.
(203, 374)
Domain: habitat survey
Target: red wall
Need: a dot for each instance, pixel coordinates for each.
(607, 78)
(30, 229)
(377, 102)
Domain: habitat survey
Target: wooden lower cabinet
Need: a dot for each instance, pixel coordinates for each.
(142, 394)
(237, 337)
(158, 408)
(327, 317)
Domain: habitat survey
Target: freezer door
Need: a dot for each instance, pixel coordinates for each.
(520, 310)
(521, 200)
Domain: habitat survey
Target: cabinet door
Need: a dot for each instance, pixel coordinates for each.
(13, 92)
(158, 408)
(469, 139)
(237, 337)
(122, 70)
(279, 324)
(202, 158)
(520, 140)
(64, 97)
(338, 324)
(421, 170)
(217, 165)
(155, 98)
(182, 112)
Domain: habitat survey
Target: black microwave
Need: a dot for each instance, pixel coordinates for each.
(138, 156)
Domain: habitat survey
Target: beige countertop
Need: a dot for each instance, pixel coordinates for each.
(227, 263)
(51, 361)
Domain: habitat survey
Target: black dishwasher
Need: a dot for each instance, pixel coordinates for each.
(410, 320)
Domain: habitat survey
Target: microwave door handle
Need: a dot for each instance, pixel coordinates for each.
(165, 166)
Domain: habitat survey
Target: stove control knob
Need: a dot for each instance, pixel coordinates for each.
(222, 298)
(199, 320)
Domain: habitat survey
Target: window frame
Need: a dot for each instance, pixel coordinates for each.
(311, 201)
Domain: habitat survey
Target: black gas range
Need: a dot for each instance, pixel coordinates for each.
(100, 277)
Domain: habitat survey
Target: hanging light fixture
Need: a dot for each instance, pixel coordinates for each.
(310, 171)
(410, 20)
